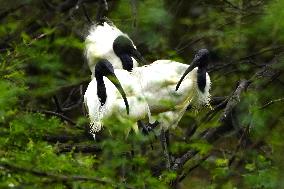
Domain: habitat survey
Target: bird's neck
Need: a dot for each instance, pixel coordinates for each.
(101, 90)
(201, 78)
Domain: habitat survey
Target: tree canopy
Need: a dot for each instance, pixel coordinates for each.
(45, 140)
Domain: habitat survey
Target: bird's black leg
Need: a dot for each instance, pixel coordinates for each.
(143, 127)
(147, 128)
(145, 131)
(164, 144)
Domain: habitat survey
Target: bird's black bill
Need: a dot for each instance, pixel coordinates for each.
(201, 60)
(138, 57)
(112, 77)
(189, 69)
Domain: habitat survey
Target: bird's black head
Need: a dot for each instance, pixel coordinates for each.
(105, 68)
(124, 49)
(200, 60)
(122, 44)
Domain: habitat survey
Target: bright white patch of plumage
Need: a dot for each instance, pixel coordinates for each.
(99, 45)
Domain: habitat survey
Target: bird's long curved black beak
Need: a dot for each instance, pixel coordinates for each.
(193, 64)
(112, 77)
(138, 57)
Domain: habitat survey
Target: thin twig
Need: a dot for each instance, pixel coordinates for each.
(232, 159)
(271, 102)
(231, 5)
(165, 149)
(102, 9)
(11, 10)
(63, 117)
(87, 16)
(243, 59)
(84, 148)
(134, 12)
(190, 169)
(57, 103)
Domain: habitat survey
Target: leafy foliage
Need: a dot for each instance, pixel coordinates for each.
(44, 133)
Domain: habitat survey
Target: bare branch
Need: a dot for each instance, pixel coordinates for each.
(61, 177)
(213, 134)
(231, 4)
(103, 8)
(57, 103)
(9, 11)
(165, 149)
(244, 59)
(234, 99)
(63, 117)
(64, 138)
(134, 12)
(271, 102)
(84, 148)
(88, 18)
(243, 135)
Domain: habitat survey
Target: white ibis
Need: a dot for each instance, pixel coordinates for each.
(169, 92)
(155, 84)
(168, 105)
(104, 102)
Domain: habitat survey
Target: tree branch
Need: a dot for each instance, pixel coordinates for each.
(11, 10)
(213, 134)
(84, 148)
(271, 102)
(63, 117)
(61, 177)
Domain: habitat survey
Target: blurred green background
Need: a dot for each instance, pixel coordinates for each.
(44, 140)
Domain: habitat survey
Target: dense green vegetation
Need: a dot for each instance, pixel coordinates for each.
(44, 139)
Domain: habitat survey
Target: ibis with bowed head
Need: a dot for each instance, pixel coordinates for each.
(110, 94)
(106, 41)
(151, 90)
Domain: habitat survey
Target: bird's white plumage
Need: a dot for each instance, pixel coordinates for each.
(158, 86)
(149, 89)
(158, 81)
(114, 105)
(99, 45)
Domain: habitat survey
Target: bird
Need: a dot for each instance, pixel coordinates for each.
(152, 91)
(167, 96)
(104, 103)
(106, 41)
(176, 94)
